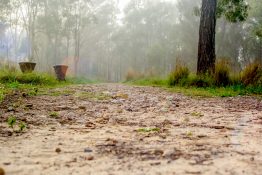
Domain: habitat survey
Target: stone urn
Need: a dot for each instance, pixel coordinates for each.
(27, 67)
(60, 71)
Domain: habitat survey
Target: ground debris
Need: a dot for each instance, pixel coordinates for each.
(120, 129)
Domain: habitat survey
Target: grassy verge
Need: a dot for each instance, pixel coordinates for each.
(228, 91)
(32, 82)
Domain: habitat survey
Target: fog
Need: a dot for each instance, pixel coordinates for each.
(106, 39)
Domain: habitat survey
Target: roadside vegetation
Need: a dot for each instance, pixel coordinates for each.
(31, 83)
(222, 82)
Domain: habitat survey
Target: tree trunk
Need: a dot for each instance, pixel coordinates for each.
(207, 32)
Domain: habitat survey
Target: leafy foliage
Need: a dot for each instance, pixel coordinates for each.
(233, 10)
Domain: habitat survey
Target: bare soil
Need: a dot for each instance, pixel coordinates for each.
(117, 129)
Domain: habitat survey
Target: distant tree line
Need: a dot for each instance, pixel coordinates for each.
(99, 40)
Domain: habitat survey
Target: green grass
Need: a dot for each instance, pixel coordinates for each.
(2, 92)
(80, 80)
(33, 83)
(228, 91)
(15, 78)
(145, 130)
(155, 81)
(53, 114)
(92, 95)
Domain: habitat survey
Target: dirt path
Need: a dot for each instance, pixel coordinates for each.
(116, 129)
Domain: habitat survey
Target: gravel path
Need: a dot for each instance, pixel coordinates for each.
(115, 129)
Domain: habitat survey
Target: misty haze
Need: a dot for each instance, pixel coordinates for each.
(130, 87)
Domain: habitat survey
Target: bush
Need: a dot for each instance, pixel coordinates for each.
(201, 81)
(180, 73)
(252, 75)
(221, 74)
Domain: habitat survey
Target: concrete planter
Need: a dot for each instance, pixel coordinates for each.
(60, 71)
(27, 67)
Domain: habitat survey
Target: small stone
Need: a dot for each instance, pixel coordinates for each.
(158, 152)
(10, 109)
(202, 136)
(29, 105)
(90, 158)
(170, 98)
(88, 150)
(24, 94)
(155, 163)
(252, 159)
(58, 150)
(24, 119)
(90, 125)
(82, 107)
(9, 133)
(2, 171)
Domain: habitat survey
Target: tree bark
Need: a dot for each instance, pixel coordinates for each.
(207, 32)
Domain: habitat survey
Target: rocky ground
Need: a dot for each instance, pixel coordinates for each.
(115, 129)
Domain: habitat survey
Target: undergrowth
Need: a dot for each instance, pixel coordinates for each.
(221, 83)
(12, 80)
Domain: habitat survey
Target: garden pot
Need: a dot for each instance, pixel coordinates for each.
(60, 71)
(27, 67)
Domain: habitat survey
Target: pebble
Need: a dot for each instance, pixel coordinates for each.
(9, 133)
(58, 150)
(82, 107)
(158, 152)
(29, 105)
(90, 158)
(88, 150)
(24, 119)
(10, 109)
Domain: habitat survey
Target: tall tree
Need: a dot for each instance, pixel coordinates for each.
(207, 32)
(233, 10)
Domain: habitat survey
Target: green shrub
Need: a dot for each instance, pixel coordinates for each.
(252, 75)
(221, 74)
(180, 73)
(201, 81)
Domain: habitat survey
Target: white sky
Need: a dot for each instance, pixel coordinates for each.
(122, 3)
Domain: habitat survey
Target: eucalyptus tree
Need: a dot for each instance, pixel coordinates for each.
(233, 10)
